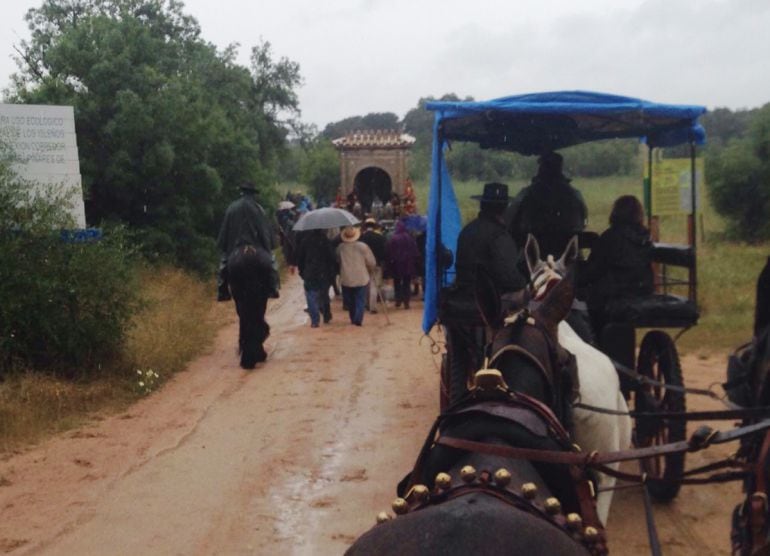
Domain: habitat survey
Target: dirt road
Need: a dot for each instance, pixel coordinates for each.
(295, 457)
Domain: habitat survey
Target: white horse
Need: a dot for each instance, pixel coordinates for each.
(599, 383)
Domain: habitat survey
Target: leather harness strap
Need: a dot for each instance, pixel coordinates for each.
(725, 414)
(526, 353)
(701, 439)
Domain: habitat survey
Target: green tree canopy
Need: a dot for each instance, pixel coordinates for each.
(167, 125)
(373, 120)
(738, 178)
(321, 170)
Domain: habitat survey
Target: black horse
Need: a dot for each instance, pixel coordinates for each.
(466, 495)
(249, 271)
(748, 385)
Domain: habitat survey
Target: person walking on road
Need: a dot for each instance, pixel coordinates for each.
(246, 243)
(378, 244)
(317, 267)
(356, 262)
(402, 256)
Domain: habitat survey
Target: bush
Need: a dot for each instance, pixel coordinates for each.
(64, 307)
(321, 170)
(738, 178)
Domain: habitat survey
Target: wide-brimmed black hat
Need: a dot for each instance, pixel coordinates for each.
(493, 193)
(248, 186)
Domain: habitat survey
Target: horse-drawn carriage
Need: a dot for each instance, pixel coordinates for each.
(538, 123)
(511, 460)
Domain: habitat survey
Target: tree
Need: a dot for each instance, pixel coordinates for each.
(723, 125)
(418, 122)
(738, 178)
(373, 120)
(167, 125)
(321, 171)
(603, 158)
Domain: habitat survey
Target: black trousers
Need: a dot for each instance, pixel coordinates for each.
(402, 287)
(250, 286)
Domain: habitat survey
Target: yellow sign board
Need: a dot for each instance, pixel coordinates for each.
(671, 186)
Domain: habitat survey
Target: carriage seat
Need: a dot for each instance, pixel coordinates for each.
(653, 311)
(659, 310)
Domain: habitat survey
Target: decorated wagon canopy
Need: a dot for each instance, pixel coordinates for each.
(532, 124)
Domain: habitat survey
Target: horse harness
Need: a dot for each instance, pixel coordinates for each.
(575, 514)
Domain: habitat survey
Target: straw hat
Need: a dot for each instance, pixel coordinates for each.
(350, 234)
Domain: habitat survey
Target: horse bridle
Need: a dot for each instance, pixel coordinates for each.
(560, 373)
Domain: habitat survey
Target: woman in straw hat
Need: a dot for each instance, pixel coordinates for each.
(356, 263)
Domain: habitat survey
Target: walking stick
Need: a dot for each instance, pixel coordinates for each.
(380, 297)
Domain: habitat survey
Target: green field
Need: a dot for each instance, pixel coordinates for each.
(727, 271)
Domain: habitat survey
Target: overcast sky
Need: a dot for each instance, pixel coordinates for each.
(359, 56)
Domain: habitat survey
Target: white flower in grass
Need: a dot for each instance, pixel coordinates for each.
(141, 383)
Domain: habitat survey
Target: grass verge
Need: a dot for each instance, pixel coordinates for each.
(174, 325)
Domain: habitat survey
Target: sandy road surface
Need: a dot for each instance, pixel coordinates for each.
(295, 457)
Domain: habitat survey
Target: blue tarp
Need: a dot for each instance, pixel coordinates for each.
(533, 124)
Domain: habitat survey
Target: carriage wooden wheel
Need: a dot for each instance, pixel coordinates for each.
(659, 360)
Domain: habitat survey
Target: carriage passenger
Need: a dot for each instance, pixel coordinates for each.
(549, 208)
(620, 264)
(483, 242)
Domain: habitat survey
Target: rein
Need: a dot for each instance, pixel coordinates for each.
(700, 439)
(646, 381)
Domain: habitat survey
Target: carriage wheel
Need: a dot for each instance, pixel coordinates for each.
(444, 394)
(659, 360)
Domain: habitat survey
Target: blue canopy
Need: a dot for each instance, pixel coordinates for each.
(533, 124)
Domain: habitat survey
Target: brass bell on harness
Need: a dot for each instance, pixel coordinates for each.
(468, 474)
(552, 505)
(502, 477)
(529, 490)
(574, 521)
(382, 517)
(591, 534)
(400, 506)
(420, 492)
(443, 481)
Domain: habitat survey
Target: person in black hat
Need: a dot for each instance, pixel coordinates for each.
(549, 208)
(483, 242)
(246, 243)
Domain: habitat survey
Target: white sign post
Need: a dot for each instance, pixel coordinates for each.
(43, 139)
